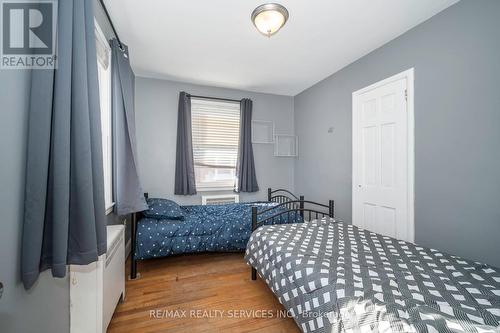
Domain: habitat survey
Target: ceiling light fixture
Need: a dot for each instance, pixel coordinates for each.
(269, 18)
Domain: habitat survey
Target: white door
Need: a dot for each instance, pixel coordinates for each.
(381, 151)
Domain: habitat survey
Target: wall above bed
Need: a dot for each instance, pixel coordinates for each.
(156, 103)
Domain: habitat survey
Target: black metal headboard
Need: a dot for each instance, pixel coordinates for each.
(299, 208)
(280, 195)
(306, 209)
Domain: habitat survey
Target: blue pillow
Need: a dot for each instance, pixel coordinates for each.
(163, 209)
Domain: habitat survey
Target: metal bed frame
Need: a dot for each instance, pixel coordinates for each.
(282, 197)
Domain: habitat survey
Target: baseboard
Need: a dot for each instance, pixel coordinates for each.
(128, 248)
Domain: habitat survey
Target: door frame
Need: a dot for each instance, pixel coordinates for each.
(408, 75)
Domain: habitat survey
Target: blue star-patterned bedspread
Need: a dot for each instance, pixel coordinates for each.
(210, 228)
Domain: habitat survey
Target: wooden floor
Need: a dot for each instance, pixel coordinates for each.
(205, 293)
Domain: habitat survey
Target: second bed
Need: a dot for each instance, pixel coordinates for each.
(335, 277)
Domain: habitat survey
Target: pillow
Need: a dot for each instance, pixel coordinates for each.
(163, 209)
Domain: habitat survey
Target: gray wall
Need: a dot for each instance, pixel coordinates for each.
(456, 56)
(156, 121)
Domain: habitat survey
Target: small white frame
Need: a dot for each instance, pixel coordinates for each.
(291, 150)
(262, 126)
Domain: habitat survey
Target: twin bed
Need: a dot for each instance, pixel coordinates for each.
(335, 277)
(332, 276)
(167, 229)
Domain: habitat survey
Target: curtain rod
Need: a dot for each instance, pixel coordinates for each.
(111, 23)
(215, 98)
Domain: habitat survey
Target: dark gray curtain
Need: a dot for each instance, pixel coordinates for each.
(245, 168)
(127, 189)
(185, 183)
(64, 221)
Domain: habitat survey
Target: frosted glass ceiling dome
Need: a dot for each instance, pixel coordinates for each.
(269, 18)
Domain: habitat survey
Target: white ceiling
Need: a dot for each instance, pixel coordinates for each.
(215, 43)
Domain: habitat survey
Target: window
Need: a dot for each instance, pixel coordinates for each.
(104, 77)
(216, 134)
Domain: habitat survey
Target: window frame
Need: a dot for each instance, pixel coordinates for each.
(211, 186)
(106, 122)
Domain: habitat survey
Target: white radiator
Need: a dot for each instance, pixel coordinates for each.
(96, 289)
(219, 199)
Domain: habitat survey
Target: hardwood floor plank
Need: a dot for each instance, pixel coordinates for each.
(213, 291)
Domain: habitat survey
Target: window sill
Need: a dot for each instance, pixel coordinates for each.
(214, 189)
(109, 208)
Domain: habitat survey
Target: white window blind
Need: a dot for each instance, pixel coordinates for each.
(216, 132)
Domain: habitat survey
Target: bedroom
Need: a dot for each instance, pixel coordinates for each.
(83, 142)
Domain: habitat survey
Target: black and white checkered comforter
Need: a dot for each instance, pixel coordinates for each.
(335, 277)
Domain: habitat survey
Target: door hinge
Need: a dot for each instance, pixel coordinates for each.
(406, 94)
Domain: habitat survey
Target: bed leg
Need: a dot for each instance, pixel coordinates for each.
(133, 261)
(254, 274)
(133, 268)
